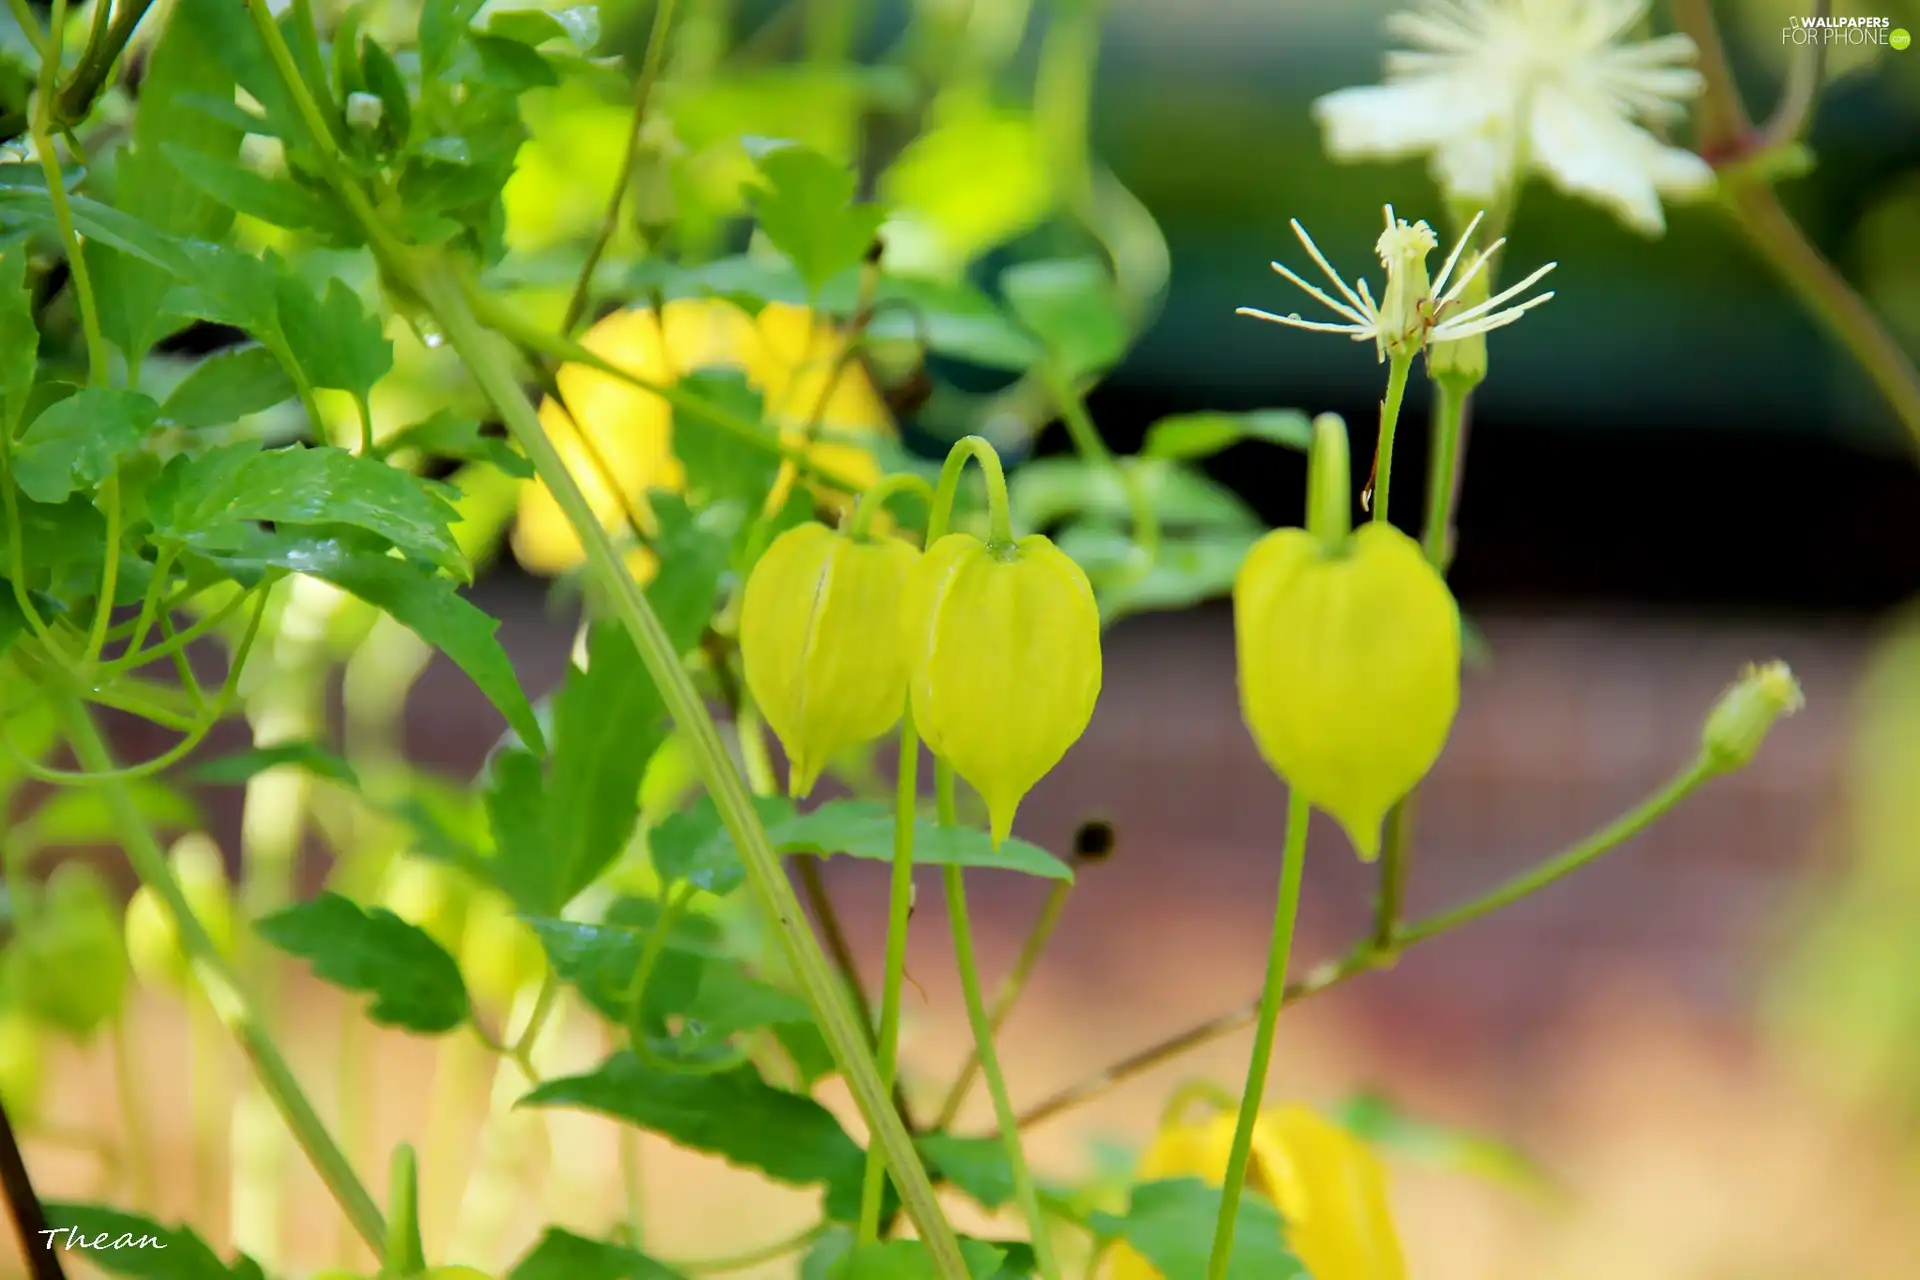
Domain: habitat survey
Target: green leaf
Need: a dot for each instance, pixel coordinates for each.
(692, 846)
(978, 1166)
(277, 201)
(720, 465)
(429, 606)
(212, 502)
(1071, 306)
(509, 65)
(241, 767)
(954, 320)
(183, 70)
(226, 387)
(561, 1255)
(1171, 1223)
(1191, 568)
(126, 1244)
(734, 1115)
(1378, 1121)
(414, 983)
(862, 829)
(1047, 491)
(19, 340)
(449, 435)
(443, 24)
(337, 340)
(804, 207)
(26, 206)
(909, 1260)
(78, 442)
(1188, 436)
(385, 82)
(608, 721)
(579, 24)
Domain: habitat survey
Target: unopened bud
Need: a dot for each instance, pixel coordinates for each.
(364, 110)
(1738, 723)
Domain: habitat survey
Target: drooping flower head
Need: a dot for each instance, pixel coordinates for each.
(1492, 90)
(1413, 311)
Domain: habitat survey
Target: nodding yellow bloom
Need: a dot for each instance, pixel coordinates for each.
(787, 354)
(1329, 1186)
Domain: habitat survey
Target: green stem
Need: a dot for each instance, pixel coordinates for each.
(151, 605)
(1023, 1186)
(1007, 996)
(765, 874)
(999, 514)
(610, 222)
(109, 574)
(899, 909)
(876, 498)
(1087, 442)
(57, 193)
(1292, 859)
(1611, 836)
(178, 640)
(222, 985)
(1443, 471)
(1398, 367)
(96, 63)
(1390, 893)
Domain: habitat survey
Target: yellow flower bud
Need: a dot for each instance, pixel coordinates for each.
(1004, 652)
(153, 943)
(1329, 1186)
(1349, 668)
(821, 641)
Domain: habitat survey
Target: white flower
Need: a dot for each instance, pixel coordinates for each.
(1495, 88)
(1411, 312)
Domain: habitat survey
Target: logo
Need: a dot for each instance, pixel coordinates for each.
(1829, 30)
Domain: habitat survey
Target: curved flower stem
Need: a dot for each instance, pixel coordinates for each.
(1023, 1187)
(1443, 470)
(899, 911)
(221, 985)
(1364, 958)
(43, 111)
(610, 221)
(999, 514)
(1398, 367)
(876, 498)
(1292, 859)
(1008, 995)
(766, 876)
(176, 641)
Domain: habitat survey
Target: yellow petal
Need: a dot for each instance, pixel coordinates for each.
(821, 641)
(1005, 656)
(1332, 1193)
(1349, 668)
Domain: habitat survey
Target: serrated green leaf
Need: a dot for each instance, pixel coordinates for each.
(978, 1166)
(448, 434)
(443, 24)
(240, 767)
(22, 206)
(414, 983)
(338, 341)
(1191, 567)
(507, 64)
(19, 340)
(721, 466)
(1170, 1223)
(579, 24)
(126, 1244)
(385, 82)
(213, 502)
(1071, 306)
(1189, 436)
(688, 847)
(78, 442)
(734, 1115)
(226, 387)
(561, 1255)
(277, 201)
(804, 206)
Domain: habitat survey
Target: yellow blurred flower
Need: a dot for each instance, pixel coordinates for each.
(786, 353)
(1330, 1188)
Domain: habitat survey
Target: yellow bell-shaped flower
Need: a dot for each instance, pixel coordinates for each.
(1004, 657)
(617, 439)
(821, 640)
(1349, 668)
(1329, 1186)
